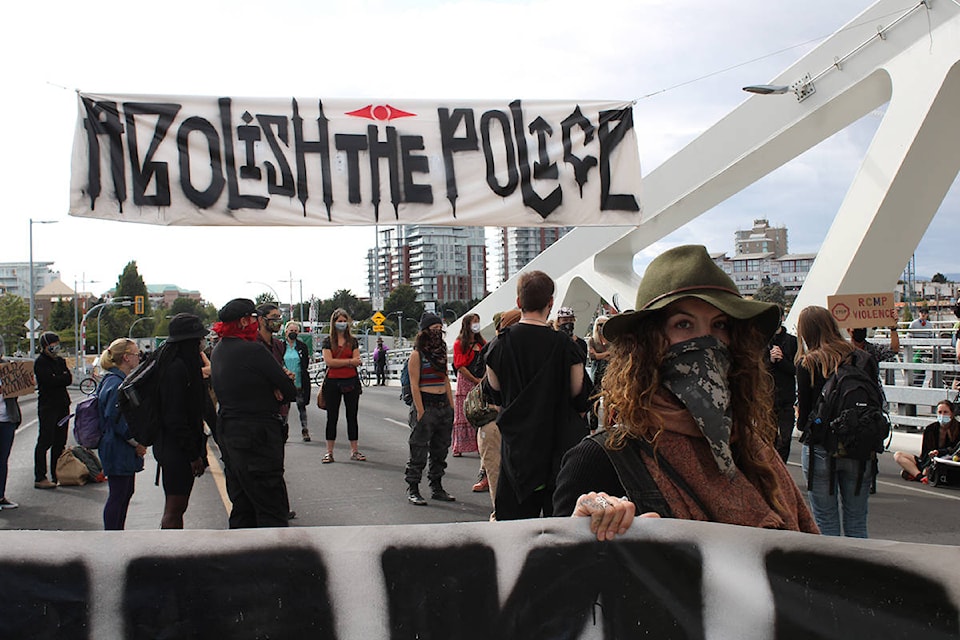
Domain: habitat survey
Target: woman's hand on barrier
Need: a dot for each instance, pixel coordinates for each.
(609, 516)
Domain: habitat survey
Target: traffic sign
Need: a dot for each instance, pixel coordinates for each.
(32, 324)
(379, 328)
(378, 318)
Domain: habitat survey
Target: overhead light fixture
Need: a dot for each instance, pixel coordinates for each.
(767, 89)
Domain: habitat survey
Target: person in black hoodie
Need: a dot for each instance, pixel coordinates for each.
(53, 406)
(780, 364)
(180, 446)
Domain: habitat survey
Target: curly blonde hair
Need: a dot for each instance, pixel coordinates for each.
(632, 380)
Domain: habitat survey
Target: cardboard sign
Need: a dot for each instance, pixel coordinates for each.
(863, 310)
(16, 379)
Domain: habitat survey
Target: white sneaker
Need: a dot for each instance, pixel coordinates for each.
(6, 504)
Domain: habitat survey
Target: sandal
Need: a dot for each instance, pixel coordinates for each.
(327, 458)
(359, 457)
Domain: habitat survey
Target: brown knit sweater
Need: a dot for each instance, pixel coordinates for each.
(733, 500)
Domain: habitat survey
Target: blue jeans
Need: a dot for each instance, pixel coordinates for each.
(825, 507)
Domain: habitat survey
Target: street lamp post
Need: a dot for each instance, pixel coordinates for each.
(102, 306)
(399, 315)
(77, 347)
(33, 326)
(300, 304)
(130, 333)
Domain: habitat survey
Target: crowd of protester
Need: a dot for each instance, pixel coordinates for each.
(682, 407)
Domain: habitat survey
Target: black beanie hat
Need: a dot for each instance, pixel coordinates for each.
(428, 319)
(236, 309)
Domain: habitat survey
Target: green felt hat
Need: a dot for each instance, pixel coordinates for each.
(689, 272)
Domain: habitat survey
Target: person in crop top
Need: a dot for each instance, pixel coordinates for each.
(431, 416)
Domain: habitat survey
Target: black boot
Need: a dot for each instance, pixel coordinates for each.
(413, 495)
(439, 494)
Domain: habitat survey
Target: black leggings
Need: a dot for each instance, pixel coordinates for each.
(332, 393)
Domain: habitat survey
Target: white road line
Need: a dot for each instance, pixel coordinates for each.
(26, 425)
(218, 478)
(905, 487)
(397, 422)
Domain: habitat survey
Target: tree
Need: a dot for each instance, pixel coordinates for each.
(131, 285)
(265, 297)
(61, 317)
(14, 311)
(344, 299)
(186, 305)
(939, 278)
(773, 292)
(404, 298)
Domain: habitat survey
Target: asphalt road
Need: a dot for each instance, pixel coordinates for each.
(372, 492)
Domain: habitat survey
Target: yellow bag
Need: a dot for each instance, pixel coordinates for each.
(70, 470)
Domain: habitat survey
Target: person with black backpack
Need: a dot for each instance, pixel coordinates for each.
(180, 448)
(840, 412)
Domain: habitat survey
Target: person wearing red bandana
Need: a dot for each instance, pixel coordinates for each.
(250, 386)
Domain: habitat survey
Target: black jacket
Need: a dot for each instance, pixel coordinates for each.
(784, 371)
(245, 376)
(53, 378)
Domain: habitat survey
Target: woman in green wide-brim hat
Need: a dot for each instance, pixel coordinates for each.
(689, 405)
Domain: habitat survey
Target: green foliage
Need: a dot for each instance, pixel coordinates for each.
(14, 311)
(186, 305)
(61, 317)
(773, 292)
(266, 296)
(404, 298)
(130, 285)
(342, 299)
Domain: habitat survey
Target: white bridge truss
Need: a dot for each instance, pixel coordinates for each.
(903, 54)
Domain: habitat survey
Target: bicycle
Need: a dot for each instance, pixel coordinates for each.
(89, 385)
(364, 374)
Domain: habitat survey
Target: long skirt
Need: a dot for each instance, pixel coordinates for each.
(464, 435)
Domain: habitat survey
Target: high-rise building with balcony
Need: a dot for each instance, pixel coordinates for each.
(442, 263)
(517, 246)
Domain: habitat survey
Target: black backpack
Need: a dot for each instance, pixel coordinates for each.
(139, 401)
(849, 418)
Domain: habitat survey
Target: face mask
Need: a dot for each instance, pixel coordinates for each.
(272, 325)
(292, 335)
(341, 326)
(475, 327)
(54, 349)
(944, 419)
(567, 328)
(696, 372)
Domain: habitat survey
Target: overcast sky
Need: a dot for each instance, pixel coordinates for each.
(551, 49)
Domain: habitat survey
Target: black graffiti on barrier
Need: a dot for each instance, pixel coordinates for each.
(115, 127)
(630, 588)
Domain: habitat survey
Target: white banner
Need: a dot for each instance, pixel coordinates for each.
(546, 578)
(187, 160)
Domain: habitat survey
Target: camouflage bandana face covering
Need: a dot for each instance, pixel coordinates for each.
(696, 372)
